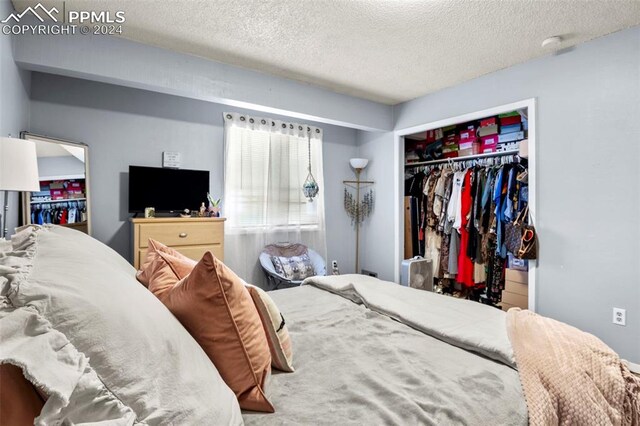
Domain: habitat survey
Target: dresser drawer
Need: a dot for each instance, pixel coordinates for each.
(192, 252)
(182, 234)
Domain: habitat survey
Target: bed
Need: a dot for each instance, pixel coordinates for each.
(357, 366)
(104, 349)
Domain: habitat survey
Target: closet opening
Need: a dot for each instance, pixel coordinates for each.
(461, 183)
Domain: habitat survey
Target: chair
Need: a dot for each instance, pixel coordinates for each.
(276, 281)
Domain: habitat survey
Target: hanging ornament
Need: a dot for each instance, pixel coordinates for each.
(357, 210)
(310, 187)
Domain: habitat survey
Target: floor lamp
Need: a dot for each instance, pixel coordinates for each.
(18, 171)
(358, 210)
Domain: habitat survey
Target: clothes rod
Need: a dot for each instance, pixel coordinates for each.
(468, 157)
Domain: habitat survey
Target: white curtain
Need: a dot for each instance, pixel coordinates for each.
(266, 163)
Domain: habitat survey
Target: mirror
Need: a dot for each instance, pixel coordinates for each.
(63, 198)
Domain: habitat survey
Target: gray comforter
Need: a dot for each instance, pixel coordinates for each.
(357, 363)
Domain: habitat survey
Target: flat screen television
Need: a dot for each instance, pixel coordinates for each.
(166, 190)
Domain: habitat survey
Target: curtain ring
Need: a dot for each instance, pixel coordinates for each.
(251, 120)
(263, 121)
(299, 127)
(284, 126)
(273, 123)
(229, 116)
(308, 129)
(291, 126)
(317, 130)
(242, 118)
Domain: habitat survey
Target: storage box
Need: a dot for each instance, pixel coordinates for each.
(510, 128)
(466, 144)
(517, 288)
(470, 148)
(468, 134)
(516, 276)
(450, 140)
(431, 136)
(509, 146)
(515, 299)
(488, 122)
(56, 185)
(512, 119)
(58, 194)
(486, 149)
(510, 137)
(506, 306)
(488, 130)
(489, 140)
(517, 264)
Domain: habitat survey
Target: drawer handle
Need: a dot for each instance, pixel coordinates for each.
(183, 235)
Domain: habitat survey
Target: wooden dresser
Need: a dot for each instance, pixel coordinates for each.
(191, 236)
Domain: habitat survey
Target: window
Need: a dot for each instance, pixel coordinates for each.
(266, 164)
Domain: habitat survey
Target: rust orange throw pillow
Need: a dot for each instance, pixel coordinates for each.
(165, 265)
(213, 304)
(20, 404)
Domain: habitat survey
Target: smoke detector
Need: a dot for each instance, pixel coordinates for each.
(552, 42)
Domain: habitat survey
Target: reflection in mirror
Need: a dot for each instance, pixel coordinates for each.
(63, 198)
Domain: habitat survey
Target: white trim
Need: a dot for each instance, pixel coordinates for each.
(399, 135)
(62, 177)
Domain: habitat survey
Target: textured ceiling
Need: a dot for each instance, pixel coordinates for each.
(384, 50)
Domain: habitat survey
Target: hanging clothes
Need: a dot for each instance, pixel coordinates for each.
(460, 217)
(465, 264)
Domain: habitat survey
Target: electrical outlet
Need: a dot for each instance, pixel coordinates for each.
(619, 316)
(370, 273)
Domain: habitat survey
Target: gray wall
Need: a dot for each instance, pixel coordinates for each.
(125, 126)
(14, 104)
(588, 169)
(378, 232)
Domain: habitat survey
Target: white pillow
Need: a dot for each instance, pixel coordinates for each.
(83, 329)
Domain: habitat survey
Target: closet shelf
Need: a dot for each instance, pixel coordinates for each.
(65, 200)
(468, 157)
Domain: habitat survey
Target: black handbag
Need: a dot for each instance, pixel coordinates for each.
(521, 239)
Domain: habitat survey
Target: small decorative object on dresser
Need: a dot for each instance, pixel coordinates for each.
(214, 206)
(189, 236)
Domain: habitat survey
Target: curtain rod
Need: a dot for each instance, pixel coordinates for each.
(468, 157)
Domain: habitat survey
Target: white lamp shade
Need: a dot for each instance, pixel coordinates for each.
(358, 163)
(18, 165)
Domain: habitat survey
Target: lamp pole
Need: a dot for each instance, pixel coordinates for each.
(5, 230)
(358, 171)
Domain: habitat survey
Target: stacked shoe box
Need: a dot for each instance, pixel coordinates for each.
(488, 133)
(516, 289)
(511, 131)
(468, 141)
(450, 145)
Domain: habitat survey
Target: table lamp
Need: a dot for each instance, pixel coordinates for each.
(18, 171)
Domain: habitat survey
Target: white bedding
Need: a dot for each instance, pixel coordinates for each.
(357, 366)
(101, 345)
